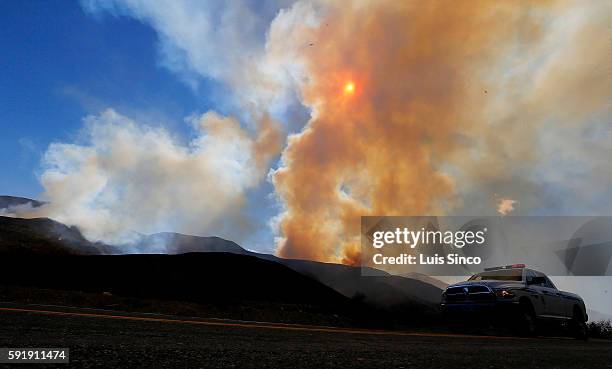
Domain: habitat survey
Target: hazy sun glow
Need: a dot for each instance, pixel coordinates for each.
(349, 88)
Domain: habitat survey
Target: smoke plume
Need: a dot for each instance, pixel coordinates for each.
(126, 178)
(415, 108)
(450, 104)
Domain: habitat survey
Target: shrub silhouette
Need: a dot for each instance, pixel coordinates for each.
(600, 329)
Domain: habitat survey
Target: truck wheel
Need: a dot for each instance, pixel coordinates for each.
(578, 325)
(527, 320)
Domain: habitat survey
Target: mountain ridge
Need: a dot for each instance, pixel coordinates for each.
(7, 202)
(45, 236)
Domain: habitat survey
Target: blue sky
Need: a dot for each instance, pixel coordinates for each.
(64, 61)
(59, 64)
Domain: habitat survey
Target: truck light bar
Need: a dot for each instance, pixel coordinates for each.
(511, 266)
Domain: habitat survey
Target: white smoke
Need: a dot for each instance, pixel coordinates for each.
(125, 177)
(221, 40)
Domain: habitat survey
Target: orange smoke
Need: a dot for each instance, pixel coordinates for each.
(426, 69)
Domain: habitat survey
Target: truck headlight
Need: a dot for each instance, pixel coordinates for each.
(504, 294)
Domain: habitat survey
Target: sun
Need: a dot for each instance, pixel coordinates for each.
(349, 88)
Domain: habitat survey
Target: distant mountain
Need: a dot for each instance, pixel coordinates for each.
(176, 243)
(43, 236)
(12, 201)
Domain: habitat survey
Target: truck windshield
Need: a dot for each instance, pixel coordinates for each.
(499, 275)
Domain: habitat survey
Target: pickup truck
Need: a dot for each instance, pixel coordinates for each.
(514, 291)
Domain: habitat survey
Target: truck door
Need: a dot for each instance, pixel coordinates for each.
(562, 305)
(544, 305)
(539, 303)
(554, 299)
